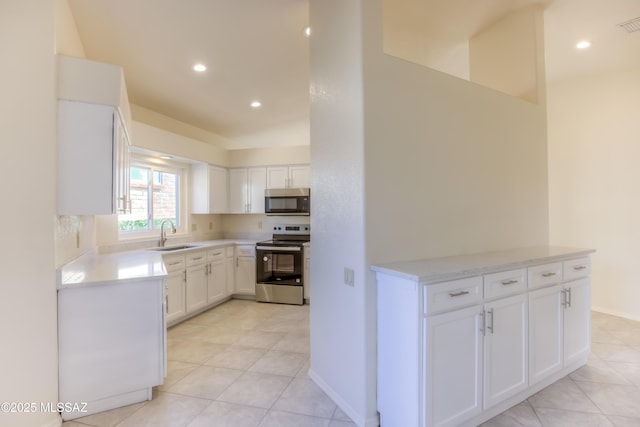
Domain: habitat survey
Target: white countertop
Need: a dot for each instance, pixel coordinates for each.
(454, 267)
(94, 268)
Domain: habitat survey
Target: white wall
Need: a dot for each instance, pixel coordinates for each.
(430, 165)
(29, 358)
(594, 123)
(338, 322)
(509, 55)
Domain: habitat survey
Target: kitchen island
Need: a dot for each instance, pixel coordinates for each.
(463, 338)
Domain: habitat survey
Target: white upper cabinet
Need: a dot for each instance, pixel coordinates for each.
(288, 176)
(246, 190)
(209, 189)
(93, 138)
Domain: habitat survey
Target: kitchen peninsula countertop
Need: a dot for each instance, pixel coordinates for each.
(456, 267)
(93, 268)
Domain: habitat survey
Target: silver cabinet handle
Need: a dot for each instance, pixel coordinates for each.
(490, 325)
(569, 299)
(549, 274)
(579, 267)
(196, 258)
(175, 263)
(564, 297)
(509, 282)
(458, 294)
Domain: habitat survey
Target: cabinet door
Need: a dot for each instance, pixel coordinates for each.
(209, 189)
(217, 190)
(86, 162)
(257, 185)
(277, 176)
(545, 332)
(505, 349)
(299, 176)
(246, 275)
(217, 283)
(176, 307)
(238, 191)
(453, 371)
(230, 274)
(196, 295)
(577, 320)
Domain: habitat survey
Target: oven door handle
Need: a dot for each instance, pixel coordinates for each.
(279, 248)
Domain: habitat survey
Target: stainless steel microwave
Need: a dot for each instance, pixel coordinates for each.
(287, 201)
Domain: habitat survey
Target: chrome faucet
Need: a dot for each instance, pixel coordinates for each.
(163, 233)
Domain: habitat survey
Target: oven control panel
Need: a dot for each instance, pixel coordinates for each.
(292, 229)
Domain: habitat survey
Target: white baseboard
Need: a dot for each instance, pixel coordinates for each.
(616, 313)
(346, 408)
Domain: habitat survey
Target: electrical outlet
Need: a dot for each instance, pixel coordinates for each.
(349, 276)
(210, 225)
(259, 225)
(194, 227)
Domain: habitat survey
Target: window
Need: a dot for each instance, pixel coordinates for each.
(155, 196)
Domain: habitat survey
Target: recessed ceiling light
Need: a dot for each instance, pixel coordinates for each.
(200, 67)
(307, 31)
(584, 44)
(256, 104)
(166, 157)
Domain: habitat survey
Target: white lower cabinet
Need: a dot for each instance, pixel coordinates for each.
(505, 348)
(230, 260)
(245, 277)
(196, 281)
(545, 332)
(478, 359)
(197, 271)
(577, 314)
(175, 287)
(458, 352)
(560, 327)
(453, 373)
(217, 276)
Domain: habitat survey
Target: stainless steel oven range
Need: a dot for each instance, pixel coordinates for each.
(280, 265)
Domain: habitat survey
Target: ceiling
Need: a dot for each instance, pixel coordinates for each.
(257, 50)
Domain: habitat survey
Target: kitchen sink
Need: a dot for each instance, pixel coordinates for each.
(174, 248)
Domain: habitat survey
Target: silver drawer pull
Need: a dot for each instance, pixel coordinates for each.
(197, 258)
(579, 267)
(549, 274)
(458, 294)
(509, 282)
(175, 263)
(217, 253)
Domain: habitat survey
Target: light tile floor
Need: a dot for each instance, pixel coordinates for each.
(244, 364)
(241, 364)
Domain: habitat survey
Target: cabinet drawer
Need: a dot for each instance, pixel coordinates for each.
(174, 262)
(577, 268)
(246, 250)
(453, 294)
(505, 283)
(230, 250)
(193, 258)
(217, 254)
(545, 274)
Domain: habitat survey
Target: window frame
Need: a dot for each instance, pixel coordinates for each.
(158, 165)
